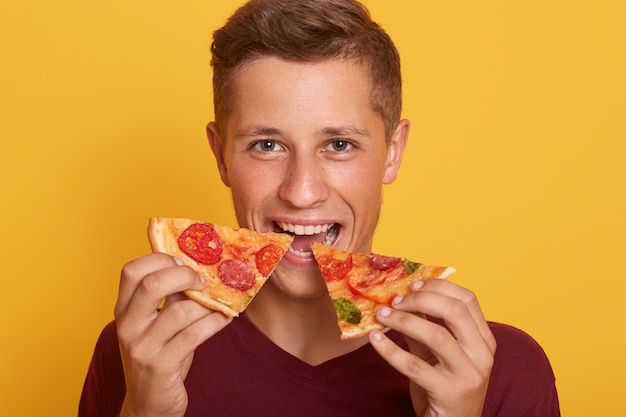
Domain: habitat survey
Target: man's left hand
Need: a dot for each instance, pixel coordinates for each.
(448, 366)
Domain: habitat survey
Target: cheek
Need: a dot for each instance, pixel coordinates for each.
(361, 185)
(250, 184)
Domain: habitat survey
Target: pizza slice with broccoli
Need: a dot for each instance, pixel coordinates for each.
(358, 284)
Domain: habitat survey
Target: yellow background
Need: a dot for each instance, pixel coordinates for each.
(514, 173)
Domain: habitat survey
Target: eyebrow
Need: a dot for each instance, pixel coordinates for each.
(326, 131)
(343, 131)
(258, 131)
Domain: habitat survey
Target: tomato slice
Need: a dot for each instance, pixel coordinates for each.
(334, 269)
(379, 298)
(267, 258)
(380, 286)
(201, 243)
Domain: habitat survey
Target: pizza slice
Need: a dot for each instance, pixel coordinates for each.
(358, 284)
(234, 262)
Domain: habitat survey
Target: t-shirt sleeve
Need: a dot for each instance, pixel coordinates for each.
(522, 382)
(104, 387)
(547, 406)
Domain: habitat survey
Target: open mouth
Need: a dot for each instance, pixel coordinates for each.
(304, 235)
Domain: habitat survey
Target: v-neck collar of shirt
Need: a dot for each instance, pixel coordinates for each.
(265, 347)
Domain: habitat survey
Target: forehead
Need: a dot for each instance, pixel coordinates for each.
(275, 90)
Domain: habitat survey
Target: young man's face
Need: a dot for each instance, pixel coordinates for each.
(305, 153)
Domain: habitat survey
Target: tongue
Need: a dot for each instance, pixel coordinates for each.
(303, 243)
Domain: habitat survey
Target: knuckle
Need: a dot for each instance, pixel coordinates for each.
(470, 299)
(129, 272)
(486, 362)
(475, 381)
(457, 309)
(493, 345)
(416, 366)
(401, 320)
(439, 336)
(125, 330)
(137, 353)
(176, 312)
(190, 336)
(118, 312)
(150, 284)
(136, 269)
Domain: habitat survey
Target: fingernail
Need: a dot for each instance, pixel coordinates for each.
(397, 300)
(178, 261)
(384, 312)
(416, 285)
(378, 335)
(202, 280)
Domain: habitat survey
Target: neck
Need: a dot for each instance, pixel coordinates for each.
(305, 328)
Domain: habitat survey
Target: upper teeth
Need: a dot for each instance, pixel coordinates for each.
(300, 229)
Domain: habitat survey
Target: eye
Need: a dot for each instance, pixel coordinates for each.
(339, 145)
(266, 145)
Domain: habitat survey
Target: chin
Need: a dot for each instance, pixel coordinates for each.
(300, 285)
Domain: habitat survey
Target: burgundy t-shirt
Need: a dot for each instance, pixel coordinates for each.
(240, 372)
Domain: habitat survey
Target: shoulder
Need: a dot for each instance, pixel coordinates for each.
(106, 352)
(104, 387)
(515, 343)
(522, 378)
(518, 351)
(107, 341)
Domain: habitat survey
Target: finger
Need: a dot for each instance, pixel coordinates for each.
(134, 271)
(431, 338)
(469, 299)
(188, 339)
(156, 286)
(457, 306)
(171, 320)
(141, 310)
(413, 367)
(176, 333)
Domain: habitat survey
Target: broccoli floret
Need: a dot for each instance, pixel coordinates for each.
(347, 311)
(410, 266)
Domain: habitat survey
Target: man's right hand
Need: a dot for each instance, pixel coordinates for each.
(157, 345)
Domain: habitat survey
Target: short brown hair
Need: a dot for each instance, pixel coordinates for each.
(307, 30)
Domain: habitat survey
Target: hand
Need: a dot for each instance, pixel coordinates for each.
(449, 368)
(157, 346)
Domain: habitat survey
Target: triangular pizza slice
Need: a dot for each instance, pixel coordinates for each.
(358, 284)
(234, 262)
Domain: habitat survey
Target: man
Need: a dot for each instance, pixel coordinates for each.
(307, 130)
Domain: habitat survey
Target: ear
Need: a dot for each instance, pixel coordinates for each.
(395, 150)
(215, 141)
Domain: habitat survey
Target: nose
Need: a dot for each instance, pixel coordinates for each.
(305, 182)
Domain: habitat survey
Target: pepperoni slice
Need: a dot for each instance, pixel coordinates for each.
(267, 258)
(201, 243)
(383, 263)
(236, 274)
(334, 269)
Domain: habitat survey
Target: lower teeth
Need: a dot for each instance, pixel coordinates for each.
(331, 236)
(299, 252)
